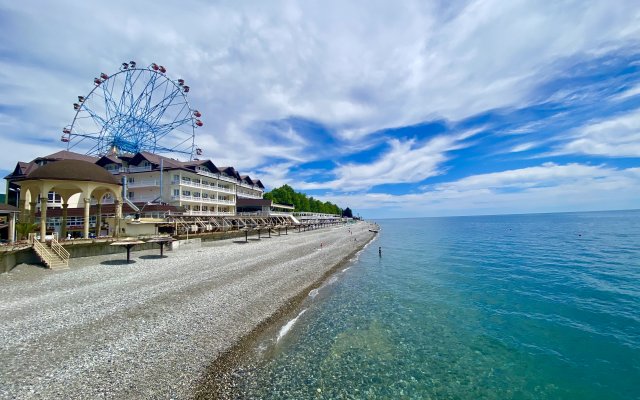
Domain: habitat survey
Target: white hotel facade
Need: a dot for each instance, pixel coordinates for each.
(199, 187)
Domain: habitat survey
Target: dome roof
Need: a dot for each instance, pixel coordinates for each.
(73, 170)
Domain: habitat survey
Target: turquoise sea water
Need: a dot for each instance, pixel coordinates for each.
(499, 307)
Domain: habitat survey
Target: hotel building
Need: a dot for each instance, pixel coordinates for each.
(153, 185)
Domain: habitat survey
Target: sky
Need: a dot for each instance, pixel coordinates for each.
(392, 108)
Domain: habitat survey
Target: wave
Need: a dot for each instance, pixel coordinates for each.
(287, 327)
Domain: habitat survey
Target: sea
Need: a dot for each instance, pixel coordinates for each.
(541, 306)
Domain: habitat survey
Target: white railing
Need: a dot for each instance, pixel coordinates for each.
(139, 169)
(251, 187)
(217, 201)
(145, 199)
(46, 255)
(124, 170)
(209, 200)
(245, 185)
(312, 214)
(207, 213)
(249, 196)
(216, 176)
(146, 183)
(215, 188)
(61, 251)
(189, 183)
(183, 197)
(222, 189)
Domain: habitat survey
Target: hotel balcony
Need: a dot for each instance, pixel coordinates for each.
(216, 176)
(249, 196)
(215, 188)
(147, 183)
(208, 200)
(123, 170)
(139, 169)
(246, 185)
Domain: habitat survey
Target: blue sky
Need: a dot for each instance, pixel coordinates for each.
(394, 109)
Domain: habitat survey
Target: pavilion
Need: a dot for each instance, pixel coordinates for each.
(67, 178)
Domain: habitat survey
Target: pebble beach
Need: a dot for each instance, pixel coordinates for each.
(150, 329)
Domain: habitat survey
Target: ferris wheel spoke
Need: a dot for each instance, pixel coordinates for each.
(97, 118)
(179, 114)
(144, 93)
(161, 107)
(109, 104)
(176, 147)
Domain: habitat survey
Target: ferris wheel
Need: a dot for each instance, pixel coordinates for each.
(132, 110)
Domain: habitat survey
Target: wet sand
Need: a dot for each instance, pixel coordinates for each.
(154, 328)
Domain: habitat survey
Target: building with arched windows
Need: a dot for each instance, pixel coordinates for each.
(148, 185)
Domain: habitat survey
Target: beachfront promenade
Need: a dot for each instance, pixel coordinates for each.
(151, 328)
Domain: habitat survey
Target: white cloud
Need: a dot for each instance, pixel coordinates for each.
(274, 175)
(406, 161)
(628, 93)
(523, 147)
(546, 188)
(356, 67)
(616, 137)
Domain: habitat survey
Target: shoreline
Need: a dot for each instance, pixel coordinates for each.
(154, 328)
(217, 380)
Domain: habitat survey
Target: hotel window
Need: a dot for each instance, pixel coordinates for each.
(186, 193)
(176, 192)
(196, 194)
(205, 195)
(205, 208)
(176, 178)
(131, 195)
(53, 197)
(130, 180)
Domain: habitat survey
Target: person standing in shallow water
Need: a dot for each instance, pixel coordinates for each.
(380, 251)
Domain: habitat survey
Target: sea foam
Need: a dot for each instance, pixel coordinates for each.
(287, 327)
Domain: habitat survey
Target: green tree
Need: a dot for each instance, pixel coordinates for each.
(23, 229)
(285, 194)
